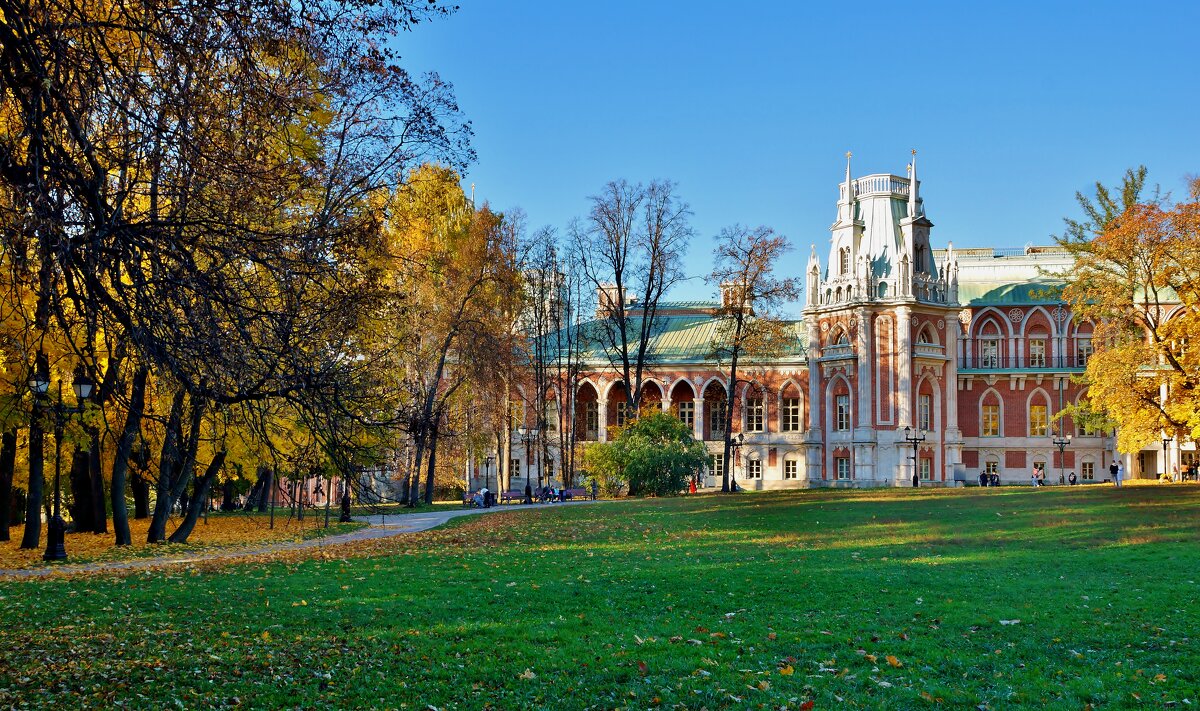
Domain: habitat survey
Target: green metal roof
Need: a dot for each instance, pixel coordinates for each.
(1006, 293)
(684, 338)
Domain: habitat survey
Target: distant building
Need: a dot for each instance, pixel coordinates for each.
(971, 347)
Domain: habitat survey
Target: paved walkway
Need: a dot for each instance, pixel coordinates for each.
(379, 527)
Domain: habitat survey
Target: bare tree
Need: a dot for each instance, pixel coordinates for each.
(630, 246)
(743, 269)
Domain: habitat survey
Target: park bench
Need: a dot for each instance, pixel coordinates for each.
(579, 493)
(514, 496)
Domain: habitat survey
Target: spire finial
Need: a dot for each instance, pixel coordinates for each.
(849, 182)
(914, 198)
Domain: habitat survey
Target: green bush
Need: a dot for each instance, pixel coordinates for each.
(654, 455)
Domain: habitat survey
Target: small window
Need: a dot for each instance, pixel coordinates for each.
(1087, 471)
(789, 469)
(591, 417)
(1083, 351)
(791, 414)
(514, 468)
(716, 419)
(719, 465)
(843, 261)
(1037, 353)
(842, 467)
(924, 412)
(754, 469)
(1038, 423)
(755, 409)
(926, 469)
(989, 425)
(842, 413)
(989, 353)
(991, 466)
(686, 412)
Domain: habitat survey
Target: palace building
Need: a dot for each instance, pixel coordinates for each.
(970, 349)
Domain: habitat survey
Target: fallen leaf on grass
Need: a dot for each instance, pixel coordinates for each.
(528, 674)
(892, 661)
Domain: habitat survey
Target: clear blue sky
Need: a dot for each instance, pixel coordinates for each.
(750, 107)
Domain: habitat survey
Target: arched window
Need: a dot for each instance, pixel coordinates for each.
(844, 261)
(989, 415)
(1039, 417)
(883, 290)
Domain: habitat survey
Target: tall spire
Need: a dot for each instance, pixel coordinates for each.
(846, 204)
(914, 199)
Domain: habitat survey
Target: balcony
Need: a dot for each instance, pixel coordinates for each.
(993, 364)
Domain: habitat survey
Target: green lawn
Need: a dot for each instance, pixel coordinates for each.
(879, 599)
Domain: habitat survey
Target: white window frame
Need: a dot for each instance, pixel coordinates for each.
(718, 465)
(983, 420)
(756, 408)
(791, 469)
(1083, 351)
(791, 415)
(1043, 429)
(925, 468)
(1087, 471)
(841, 410)
(754, 469)
(686, 412)
(1037, 352)
(841, 468)
(989, 353)
(925, 412)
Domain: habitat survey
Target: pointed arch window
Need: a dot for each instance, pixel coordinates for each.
(989, 417)
(1039, 419)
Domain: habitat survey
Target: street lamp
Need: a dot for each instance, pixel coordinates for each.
(528, 436)
(736, 446)
(915, 440)
(1061, 442)
(39, 383)
(1166, 440)
(487, 478)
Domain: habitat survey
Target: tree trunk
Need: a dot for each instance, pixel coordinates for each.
(433, 438)
(33, 493)
(167, 463)
(255, 491)
(96, 477)
(729, 392)
(8, 460)
(197, 503)
(83, 510)
(268, 489)
(141, 497)
(133, 425)
(227, 496)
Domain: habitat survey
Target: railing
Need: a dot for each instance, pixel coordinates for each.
(928, 349)
(990, 362)
(843, 351)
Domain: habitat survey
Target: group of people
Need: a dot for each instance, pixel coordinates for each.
(989, 479)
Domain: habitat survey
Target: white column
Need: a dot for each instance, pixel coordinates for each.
(602, 415)
(698, 418)
(904, 367)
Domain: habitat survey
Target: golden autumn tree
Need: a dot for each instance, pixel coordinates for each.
(1136, 276)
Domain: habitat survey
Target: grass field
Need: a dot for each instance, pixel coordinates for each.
(1015, 597)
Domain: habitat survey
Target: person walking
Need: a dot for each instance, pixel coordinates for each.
(983, 478)
(595, 490)
(1120, 473)
(1112, 472)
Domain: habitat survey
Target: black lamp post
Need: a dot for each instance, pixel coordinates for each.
(1061, 442)
(528, 436)
(345, 515)
(735, 445)
(1166, 440)
(915, 440)
(39, 384)
(487, 478)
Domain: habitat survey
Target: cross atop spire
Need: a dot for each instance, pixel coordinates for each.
(914, 198)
